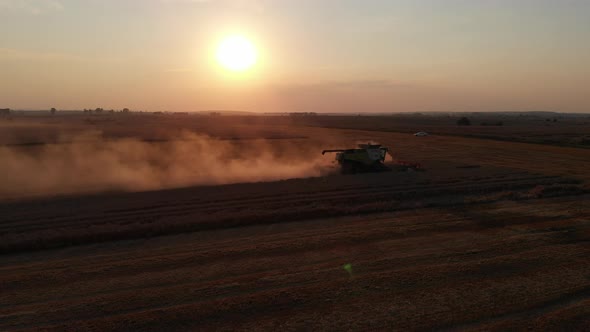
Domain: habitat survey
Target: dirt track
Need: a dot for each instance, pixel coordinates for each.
(493, 266)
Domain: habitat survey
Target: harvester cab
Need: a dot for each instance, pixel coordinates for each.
(365, 158)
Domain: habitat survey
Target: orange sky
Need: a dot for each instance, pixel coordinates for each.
(328, 56)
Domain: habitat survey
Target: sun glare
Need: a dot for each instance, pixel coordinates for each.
(236, 53)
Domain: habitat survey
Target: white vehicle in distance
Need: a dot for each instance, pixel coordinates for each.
(421, 133)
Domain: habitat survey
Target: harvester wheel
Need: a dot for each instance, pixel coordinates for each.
(348, 168)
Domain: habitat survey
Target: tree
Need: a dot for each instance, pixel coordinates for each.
(463, 122)
(125, 110)
(53, 110)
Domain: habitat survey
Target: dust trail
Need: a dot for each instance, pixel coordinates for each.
(92, 164)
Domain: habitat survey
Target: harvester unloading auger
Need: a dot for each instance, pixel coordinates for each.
(368, 158)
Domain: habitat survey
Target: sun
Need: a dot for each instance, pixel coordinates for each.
(236, 53)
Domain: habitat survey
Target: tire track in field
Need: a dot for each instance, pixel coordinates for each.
(207, 206)
(408, 262)
(206, 215)
(207, 291)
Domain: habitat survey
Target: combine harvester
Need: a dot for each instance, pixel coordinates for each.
(369, 158)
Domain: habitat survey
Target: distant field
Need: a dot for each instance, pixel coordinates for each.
(31, 130)
(551, 130)
(539, 129)
(161, 222)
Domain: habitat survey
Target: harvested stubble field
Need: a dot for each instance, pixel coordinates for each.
(492, 236)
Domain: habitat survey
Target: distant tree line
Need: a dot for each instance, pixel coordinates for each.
(497, 123)
(297, 114)
(100, 110)
(463, 121)
(170, 113)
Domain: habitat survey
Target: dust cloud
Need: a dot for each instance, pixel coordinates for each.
(90, 163)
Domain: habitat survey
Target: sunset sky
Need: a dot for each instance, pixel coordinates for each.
(323, 56)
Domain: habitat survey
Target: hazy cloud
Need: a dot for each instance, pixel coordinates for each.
(33, 7)
(186, 1)
(369, 96)
(257, 5)
(15, 54)
(8, 54)
(179, 70)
